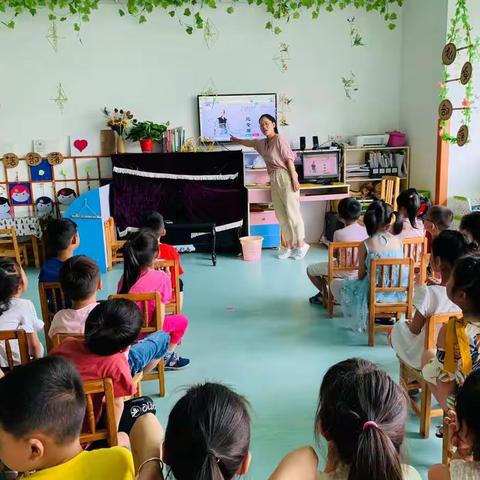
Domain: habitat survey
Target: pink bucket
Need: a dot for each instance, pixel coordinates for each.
(396, 139)
(251, 248)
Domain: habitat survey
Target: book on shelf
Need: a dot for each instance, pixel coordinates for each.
(173, 140)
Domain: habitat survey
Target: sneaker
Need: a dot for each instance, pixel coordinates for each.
(299, 253)
(174, 362)
(316, 299)
(385, 321)
(284, 253)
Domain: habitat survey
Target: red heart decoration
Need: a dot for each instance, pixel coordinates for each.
(80, 145)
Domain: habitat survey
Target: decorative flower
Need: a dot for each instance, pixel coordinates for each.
(441, 85)
(466, 103)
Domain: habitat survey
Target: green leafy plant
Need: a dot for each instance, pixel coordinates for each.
(145, 130)
(190, 12)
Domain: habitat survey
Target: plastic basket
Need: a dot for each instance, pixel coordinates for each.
(251, 248)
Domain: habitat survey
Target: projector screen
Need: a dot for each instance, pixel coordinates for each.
(221, 116)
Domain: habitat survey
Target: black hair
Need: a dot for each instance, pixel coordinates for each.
(440, 216)
(349, 209)
(471, 224)
(449, 246)
(79, 277)
(411, 201)
(352, 393)
(10, 280)
(378, 215)
(4, 200)
(60, 233)
(466, 277)
(208, 434)
(112, 326)
(138, 253)
(271, 118)
(467, 410)
(45, 395)
(154, 222)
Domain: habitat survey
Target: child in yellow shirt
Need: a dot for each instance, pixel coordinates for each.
(42, 406)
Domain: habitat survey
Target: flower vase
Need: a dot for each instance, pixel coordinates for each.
(120, 144)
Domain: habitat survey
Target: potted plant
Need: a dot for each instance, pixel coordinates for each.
(146, 133)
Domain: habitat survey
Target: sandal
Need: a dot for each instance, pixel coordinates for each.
(316, 299)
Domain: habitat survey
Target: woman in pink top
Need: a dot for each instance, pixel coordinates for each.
(407, 224)
(139, 277)
(285, 187)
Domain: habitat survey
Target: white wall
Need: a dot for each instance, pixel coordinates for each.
(424, 32)
(464, 176)
(156, 69)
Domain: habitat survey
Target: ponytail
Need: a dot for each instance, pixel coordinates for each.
(397, 227)
(377, 216)
(409, 200)
(138, 254)
(10, 280)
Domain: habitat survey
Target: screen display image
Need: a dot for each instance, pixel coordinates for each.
(321, 166)
(222, 116)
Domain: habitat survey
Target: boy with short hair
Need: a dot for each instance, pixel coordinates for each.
(42, 407)
(62, 240)
(349, 211)
(111, 329)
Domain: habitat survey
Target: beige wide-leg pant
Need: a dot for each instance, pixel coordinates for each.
(287, 206)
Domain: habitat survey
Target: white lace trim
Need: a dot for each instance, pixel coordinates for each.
(173, 176)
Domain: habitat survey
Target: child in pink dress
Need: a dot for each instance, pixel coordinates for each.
(139, 276)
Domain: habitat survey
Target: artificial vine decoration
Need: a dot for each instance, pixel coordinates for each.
(190, 11)
(460, 21)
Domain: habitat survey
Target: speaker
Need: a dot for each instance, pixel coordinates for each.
(315, 142)
(302, 143)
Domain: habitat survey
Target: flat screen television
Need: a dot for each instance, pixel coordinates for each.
(321, 167)
(221, 116)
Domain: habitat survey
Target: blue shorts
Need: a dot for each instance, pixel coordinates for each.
(153, 347)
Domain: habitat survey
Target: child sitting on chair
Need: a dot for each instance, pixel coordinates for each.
(408, 337)
(464, 433)
(154, 222)
(408, 223)
(139, 276)
(42, 408)
(349, 211)
(470, 227)
(17, 313)
(457, 344)
(111, 329)
(62, 240)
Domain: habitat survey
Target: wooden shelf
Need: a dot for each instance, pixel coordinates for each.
(305, 186)
(361, 149)
(368, 179)
(255, 169)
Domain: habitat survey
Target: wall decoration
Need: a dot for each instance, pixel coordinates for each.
(80, 145)
(66, 196)
(41, 172)
(10, 160)
(210, 33)
(55, 158)
(5, 208)
(44, 146)
(33, 159)
(20, 193)
(284, 108)
(356, 38)
(61, 98)
(350, 85)
(282, 57)
(44, 207)
(460, 33)
(52, 36)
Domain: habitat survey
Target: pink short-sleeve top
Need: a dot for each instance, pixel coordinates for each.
(276, 152)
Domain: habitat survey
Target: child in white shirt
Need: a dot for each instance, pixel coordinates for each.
(17, 313)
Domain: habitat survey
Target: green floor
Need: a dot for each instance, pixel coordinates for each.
(252, 328)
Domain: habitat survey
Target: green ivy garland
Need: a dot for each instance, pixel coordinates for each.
(189, 12)
(460, 20)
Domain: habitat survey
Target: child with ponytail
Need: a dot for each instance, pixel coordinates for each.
(457, 344)
(354, 293)
(139, 276)
(208, 435)
(361, 414)
(407, 223)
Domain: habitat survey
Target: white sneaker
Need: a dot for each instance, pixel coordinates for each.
(299, 253)
(284, 253)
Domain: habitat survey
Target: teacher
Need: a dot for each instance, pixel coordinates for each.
(285, 187)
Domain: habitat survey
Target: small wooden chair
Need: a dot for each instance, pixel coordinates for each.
(19, 336)
(114, 246)
(9, 246)
(342, 258)
(52, 300)
(156, 325)
(91, 433)
(423, 408)
(387, 283)
(390, 190)
(59, 338)
(172, 269)
(416, 248)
